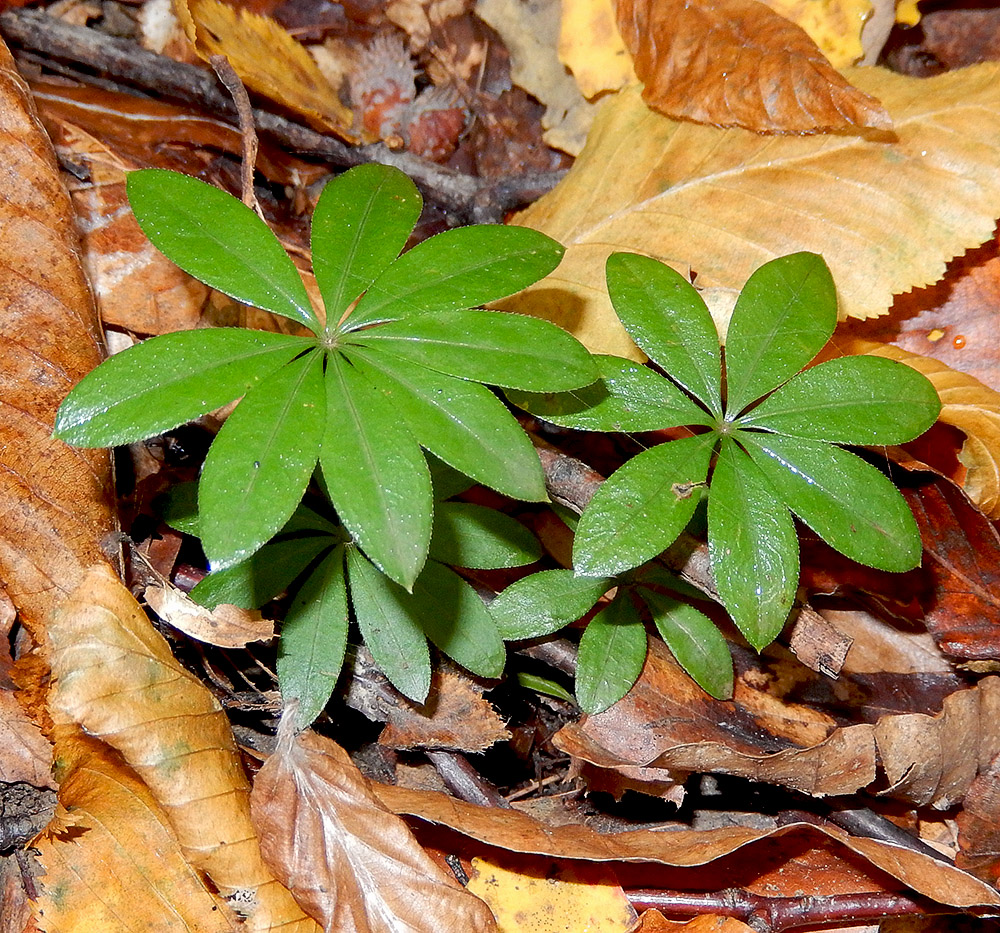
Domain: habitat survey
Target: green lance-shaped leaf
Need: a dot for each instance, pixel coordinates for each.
(460, 422)
(219, 240)
(165, 381)
(468, 535)
(459, 268)
(314, 638)
(642, 507)
(393, 636)
(612, 652)
(753, 547)
(361, 223)
(452, 615)
(494, 347)
(260, 463)
(627, 397)
(264, 575)
(695, 642)
(375, 473)
(670, 322)
(545, 602)
(785, 313)
(846, 501)
(853, 400)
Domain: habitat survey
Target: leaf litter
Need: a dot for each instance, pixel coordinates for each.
(905, 736)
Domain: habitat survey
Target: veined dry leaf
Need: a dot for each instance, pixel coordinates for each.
(885, 216)
(979, 826)
(738, 63)
(114, 676)
(112, 862)
(55, 500)
(351, 864)
(509, 829)
(267, 59)
(834, 25)
(226, 626)
(591, 46)
(25, 754)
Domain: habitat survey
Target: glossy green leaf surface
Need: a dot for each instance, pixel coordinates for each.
(265, 574)
(642, 507)
(260, 462)
(783, 317)
(361, 223)
(462, 423)
(446, 480)
(460, 268)
(493, 347)
(670, 322)
(753, 546)
(391, 633)
(544, 686)
(219, 240)
(852, 400)
(544, 602)
(846, 501)
(376, 474)
(695, 641)
(165, 381)
(180, 507)
(612, 652)
(468, 535)
(314, 638)
(627, 397)
(452, 615)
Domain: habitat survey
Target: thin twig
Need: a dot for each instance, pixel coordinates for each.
(248, 132)
(464, 781)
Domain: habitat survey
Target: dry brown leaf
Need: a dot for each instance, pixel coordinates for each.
(351, 864)
(738, 63)
(885, 216)
(114, 676)
(226, 626)
(25, 754)
(509, 829)
(268, 60)
(55, 500)
(112, 862)
(979, 827)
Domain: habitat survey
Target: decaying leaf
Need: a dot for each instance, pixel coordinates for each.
(55, 501)
(979, 827)
(350, 862)
(738, 63)
(267, 59)
(835, 26)
(537, 896)
(591, 47)
(112, 862)
(114, 676)
(226, 626)
(722, 202)
(25, 754)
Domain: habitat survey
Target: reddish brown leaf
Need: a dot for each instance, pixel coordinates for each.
(979, 827)
(738, 63)
(350, 862)
(55, 501)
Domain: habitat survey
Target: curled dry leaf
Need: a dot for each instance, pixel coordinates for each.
(114, 676)
(509, 829)
(55, 501)
(979, 827)
(738, 63)
(351, 863)
(112, 862)
(722, 202)
(226, 626)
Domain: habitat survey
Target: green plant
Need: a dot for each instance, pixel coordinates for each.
(768, 432)
(399, 366)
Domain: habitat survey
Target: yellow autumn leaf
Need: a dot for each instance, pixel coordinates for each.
(591, 47)
(268, 60)
(886, 216)
(537, 897)
(834, 25)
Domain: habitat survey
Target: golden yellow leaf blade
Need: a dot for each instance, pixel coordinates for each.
(113, 675)
(886, 216)
(834, 25)
(591, 47)
(268, 60)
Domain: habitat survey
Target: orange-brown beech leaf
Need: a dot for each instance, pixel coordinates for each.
(686, 848)
(226, 626)
(112, 862)
(25, 754)
(114, 676)
(350, 863)
(886, 216)
(268, 60)
(55, 500)
(666, 723)
(979, 827)
(933, 760)
(738, 63)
